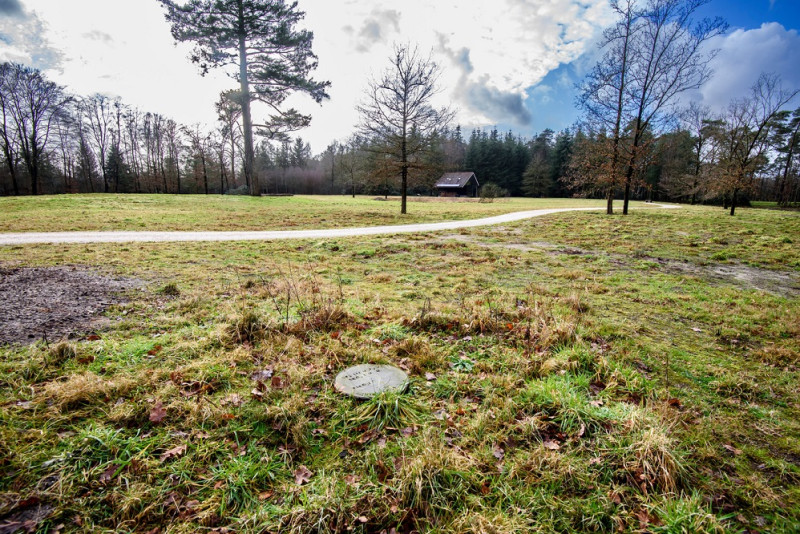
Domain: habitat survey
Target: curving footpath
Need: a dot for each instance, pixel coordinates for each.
(28, 238)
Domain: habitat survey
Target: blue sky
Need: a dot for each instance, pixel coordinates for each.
(752, 13)
(551, 102)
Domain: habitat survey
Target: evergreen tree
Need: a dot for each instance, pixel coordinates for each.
(86, 168)
(300, 153)
(561, 156)
(116, 171)
(539, 179)
(273, 58)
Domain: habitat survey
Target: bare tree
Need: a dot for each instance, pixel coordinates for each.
(653, 54)
(218, 144)
(701, 124)
(200, 142)
(667, 59)
(350, 163)
(398, 110)
(228, 114)
(603, 97)
(8, 133)
(68, 148)
(172, 136)
(744, 140)
(133, 119)
(36, 105)
(96, 111)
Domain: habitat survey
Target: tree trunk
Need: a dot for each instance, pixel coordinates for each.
(178, 172)
(33, 165)
(618, 121)
(783, 198)
(163, 176)
(733, 202)
(12, 172)
(247, 122)
(222, 171)
(637, 137)
(626, 196)
(403, 179)
(205, 173)
(233, 160)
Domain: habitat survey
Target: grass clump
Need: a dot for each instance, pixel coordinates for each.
(564, 399)
(685, 514)
(436, 481)
(170, 290)
(247, 327)
(85, 389)
(388, 410)
(60, 354)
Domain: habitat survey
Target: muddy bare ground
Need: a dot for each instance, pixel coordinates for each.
(778, 283)
(55, 302)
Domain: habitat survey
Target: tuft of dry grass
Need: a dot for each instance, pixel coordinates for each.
(85, 389)
(247, 327)
(651, 460)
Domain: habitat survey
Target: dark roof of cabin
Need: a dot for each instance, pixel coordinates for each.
(455, 179)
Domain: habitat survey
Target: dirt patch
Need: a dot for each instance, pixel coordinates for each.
(55, 302)
(778, 283)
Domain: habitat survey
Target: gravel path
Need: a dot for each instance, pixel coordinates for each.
(128, 237)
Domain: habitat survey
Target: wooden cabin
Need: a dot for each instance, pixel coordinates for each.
(458, 184)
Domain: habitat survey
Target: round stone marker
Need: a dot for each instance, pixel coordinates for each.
(367, 380)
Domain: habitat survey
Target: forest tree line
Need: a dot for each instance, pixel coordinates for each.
(55, 142)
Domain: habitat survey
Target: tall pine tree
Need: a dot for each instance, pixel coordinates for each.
(273, 59)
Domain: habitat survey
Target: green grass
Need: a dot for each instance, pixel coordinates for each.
(576, 372)
(219, 212)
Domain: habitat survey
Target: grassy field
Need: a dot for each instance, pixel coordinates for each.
(576, 372)
(61, 213)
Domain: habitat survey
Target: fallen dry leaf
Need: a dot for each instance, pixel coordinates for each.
(264, 495)
(731, 448)
(352, 479)
(302, 475)
(430, 376)
(278, 383)
(550, 444)
(108, 474)
(263, 374)
(157, 413)
(234, 399)
(498, 452)
(174, 452)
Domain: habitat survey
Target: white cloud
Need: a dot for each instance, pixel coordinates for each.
(23, 38)
(743, 55)
(491, 53)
